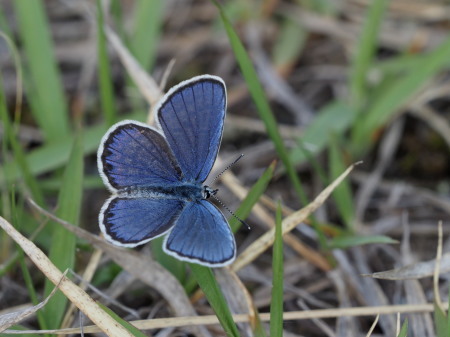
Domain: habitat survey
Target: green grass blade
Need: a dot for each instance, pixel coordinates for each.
(260, 99)
(342, 194)
(441, 322)
(276, 305)
(130, 327)
(30, 287)
(334, 118)
(62, 250)
(354, 240)
(399, 64)
(207, 282)
(19, 155)
(19, 327)
(404, 330)
(396, 94)
(175, 266)
(104, 71)
(365, 52)
(252, 197)
(289, 45)
(148, 18)
(448, 312)
(52, 115)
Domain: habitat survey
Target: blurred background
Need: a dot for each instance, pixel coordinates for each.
(315, 85)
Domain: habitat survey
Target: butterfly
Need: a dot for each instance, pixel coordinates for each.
(156, 176)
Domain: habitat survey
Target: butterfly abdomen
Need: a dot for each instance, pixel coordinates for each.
(185, 192)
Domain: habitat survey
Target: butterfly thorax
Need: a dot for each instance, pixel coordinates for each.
(185, 192)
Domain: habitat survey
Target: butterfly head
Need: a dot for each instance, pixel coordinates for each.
(208, 192)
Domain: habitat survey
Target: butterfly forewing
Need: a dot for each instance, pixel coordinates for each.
(133, 154)
(192, 117)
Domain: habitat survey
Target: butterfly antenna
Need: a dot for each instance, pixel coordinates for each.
(226, 168)
(231, 212)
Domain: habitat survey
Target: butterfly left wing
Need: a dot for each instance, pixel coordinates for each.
(134, 154)
(191, 116)
(201, 235)
(129, 222)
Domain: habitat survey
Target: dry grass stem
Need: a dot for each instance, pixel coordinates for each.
(160, 323)
(74, 293)
(303, 250)
(288, 224)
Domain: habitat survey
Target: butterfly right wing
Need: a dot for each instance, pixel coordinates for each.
(133, 154)
(191, 116)
(201, 235)
(129, 222)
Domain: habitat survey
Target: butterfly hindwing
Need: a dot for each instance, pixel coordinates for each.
(134, 154)
(191, 116)
(130, 222)
(201, 235)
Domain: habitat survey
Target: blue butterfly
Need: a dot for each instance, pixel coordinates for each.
(156, 176)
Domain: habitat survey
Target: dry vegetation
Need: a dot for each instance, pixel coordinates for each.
(304, 54)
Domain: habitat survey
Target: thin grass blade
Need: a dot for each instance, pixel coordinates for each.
(175, 266)
(104, 71)
(347, 241)
(398, 93)
(130, 327)
(334, 118)
(9, 136)
(342, 195)
(260, 99)
(30, 287)
(404, 330)
(252, 197)
(365, 51)
(62, 250)
(207, 282)
(276, 305)
(148, 18)
(289, 45)
(46, 87)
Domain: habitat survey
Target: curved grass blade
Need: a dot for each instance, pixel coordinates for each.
(260, 99)
(207, 282)
(397, 93)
